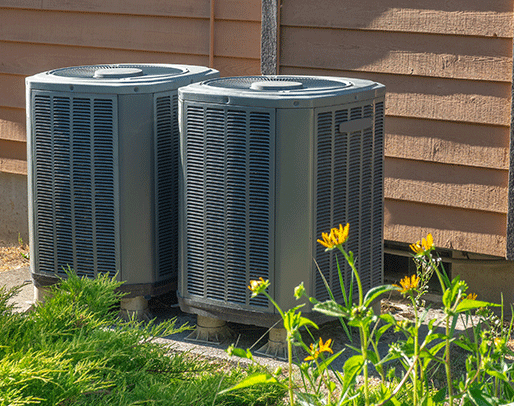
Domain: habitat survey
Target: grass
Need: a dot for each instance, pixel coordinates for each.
(73, 350)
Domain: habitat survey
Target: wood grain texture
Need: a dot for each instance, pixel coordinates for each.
(456, 57)
(434, 98)
(457, 229)
(140, 33)
(469, 17)
(16, 166)
(12, 124)
(248, 10)
(12, 92)
(16, 150)
(143, 33)
(448, 142)
(29, 58)
(270, 33)
(237, 39)
(446, 185)
(237, 66)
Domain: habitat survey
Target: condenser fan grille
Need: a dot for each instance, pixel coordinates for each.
(229, 185)
(350, 190)
(309, 83)
(89, 71)
(74, 162)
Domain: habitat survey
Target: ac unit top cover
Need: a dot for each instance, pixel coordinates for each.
(122, 78)
(282, 91)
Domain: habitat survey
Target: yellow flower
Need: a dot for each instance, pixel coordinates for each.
(337, 237)
(321, 348)
(258, 286)
(472, 296)
(408, 283)
(420, 247)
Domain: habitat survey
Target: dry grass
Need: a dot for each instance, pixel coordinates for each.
(12, 256)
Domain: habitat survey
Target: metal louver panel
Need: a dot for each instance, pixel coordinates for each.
(166, 153)
(74, 161)
(350, 190)
(229, 160)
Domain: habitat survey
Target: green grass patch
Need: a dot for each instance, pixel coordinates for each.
(74, 350)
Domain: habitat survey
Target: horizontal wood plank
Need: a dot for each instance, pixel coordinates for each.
(470, 17)
(12, 124)
(177, 35)
(448, 142)
(16, 166)
(28, 59)
(13, 91)
(140, 33)
(237, 66)
(457, 229)
(249, 10)
(16, 150)
(455, 57)
(237, 39)
(177, 8)
(446, 185)
(433, 98)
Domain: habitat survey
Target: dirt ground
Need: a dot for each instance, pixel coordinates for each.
(13, 256)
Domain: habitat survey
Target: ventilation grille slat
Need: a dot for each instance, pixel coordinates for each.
(74, 166)
(228, 214)
(350, 190)
(166, 152)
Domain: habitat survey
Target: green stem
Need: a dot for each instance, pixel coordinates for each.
(290, 362)
(364, 340)
(416, 352)
(447, 363)
(357, 277)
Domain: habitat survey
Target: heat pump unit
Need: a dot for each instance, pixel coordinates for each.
(103, 172)
(267, 164)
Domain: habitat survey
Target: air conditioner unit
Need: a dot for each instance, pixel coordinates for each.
(267, 164)
(103, 172)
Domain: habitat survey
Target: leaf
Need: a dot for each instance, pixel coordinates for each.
(351, 368)
(480, 398)
(469, 304)
(497, 374)
(464, 345)
(331, 308)
(304, 321)
(255, 379)
(439, 396)
(431, 353)
(375, 292)
(388, 318)
(307, 399)
(447, 298)
(382, 330)
(239, 352)
(325, 364)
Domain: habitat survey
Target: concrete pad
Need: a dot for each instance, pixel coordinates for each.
(17, 277)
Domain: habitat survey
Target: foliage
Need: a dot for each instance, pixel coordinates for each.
(73, 350)
(489, 372)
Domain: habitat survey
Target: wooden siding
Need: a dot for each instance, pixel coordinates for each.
(447, 67)
(39, 35)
